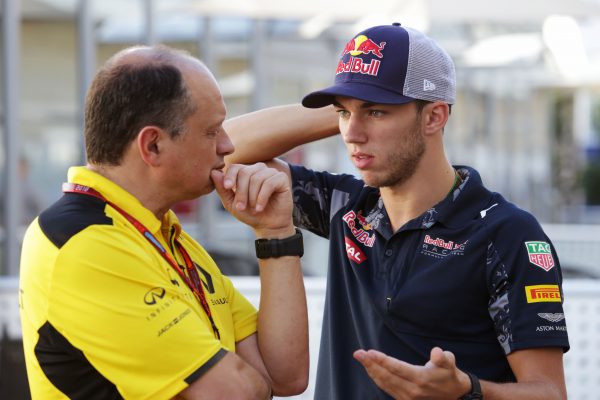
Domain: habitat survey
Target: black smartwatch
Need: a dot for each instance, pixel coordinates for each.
(273, 248)
(475, 393)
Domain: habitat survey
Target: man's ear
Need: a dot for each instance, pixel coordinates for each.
(435, 117)
(150, 144)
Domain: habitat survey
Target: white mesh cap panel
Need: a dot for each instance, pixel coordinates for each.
(430, 72)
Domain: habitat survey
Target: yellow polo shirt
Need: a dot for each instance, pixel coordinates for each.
(104, 315)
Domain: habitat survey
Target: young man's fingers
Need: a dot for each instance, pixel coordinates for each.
(382, 371)
(441, 358)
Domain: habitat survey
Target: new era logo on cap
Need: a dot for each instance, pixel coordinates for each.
(390, 64)
(428, 85)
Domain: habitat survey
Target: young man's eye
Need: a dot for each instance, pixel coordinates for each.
(343, 113)
(376, 113)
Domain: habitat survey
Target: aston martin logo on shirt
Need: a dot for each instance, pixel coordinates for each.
(552, 317)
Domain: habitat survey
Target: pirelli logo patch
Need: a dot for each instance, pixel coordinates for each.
(540, 255)
(542, 294)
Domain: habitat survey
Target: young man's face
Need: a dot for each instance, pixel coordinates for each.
(384, 141)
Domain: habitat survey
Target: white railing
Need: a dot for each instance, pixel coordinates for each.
(582, 308)
(578, 246)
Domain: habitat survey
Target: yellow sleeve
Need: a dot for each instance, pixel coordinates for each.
(240, 318)
(244, 313)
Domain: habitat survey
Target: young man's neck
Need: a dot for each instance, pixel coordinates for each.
(426, 188)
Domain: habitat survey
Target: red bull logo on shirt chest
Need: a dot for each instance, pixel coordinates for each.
(359, 233)
(540, 255)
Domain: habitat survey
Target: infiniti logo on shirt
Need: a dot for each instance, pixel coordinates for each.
(154, 295)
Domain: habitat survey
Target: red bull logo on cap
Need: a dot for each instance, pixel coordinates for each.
(361, 45)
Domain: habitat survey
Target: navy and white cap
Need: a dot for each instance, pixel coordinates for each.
(390, 64)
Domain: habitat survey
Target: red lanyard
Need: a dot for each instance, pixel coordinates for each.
(192, 279)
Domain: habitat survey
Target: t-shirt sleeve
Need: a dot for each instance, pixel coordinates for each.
(318, 196)
(126, 315)
(525, 282)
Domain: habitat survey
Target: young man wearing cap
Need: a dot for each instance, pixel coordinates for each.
(439, 288)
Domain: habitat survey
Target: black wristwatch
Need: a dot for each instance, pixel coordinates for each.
(475, 393)
(273, 248)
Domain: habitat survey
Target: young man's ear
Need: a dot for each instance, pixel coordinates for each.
(436, 115)
(150, 144)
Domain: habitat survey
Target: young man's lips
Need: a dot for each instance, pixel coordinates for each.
(362, 161)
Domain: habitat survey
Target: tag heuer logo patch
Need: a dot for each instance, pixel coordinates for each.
(540, 255)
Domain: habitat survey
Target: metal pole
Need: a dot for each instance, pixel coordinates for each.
(207, 216)
(11, 25)
(150, 31)
(206, 46)
(87, 59)
(256, 55)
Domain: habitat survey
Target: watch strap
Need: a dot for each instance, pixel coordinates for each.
(475, 393)
(273, 248)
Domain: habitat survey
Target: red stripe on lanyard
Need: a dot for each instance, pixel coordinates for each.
(193, 281)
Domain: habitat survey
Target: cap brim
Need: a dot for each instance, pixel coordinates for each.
(356, 90)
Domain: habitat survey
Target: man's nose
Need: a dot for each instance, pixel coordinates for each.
(353, 131)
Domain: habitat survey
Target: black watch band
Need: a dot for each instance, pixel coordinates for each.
(273, 248)
(475, 393)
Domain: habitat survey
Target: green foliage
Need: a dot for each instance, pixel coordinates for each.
(591, 183)
(596, 118)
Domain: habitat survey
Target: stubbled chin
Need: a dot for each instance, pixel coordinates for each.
(368, 178)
